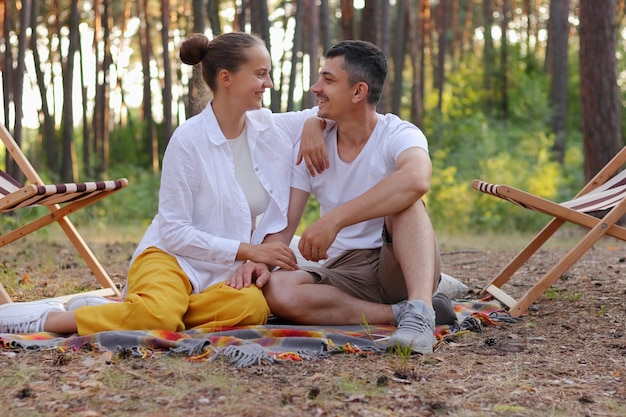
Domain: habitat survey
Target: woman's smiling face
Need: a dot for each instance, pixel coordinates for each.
(253, 78)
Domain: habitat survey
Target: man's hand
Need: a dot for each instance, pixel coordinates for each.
(247, 273)
(317, 238)
(312, 147)
(271, 253)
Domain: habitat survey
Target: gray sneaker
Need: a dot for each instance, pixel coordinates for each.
(28, 317)
(443, 306)
(444, 309)
(86, 300)
(416, 326)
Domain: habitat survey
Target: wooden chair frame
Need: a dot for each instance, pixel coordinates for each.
(58, 214)
(562, 213)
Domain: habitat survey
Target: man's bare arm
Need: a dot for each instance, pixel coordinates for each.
(312, 146)
(409, 183)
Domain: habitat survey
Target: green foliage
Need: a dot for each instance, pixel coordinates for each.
(129, 145)
(137, 203)
(465, 144)
(311, 213)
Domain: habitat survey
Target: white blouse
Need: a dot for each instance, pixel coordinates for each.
(203, 214)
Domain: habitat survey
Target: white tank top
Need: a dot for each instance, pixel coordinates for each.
(257, 197)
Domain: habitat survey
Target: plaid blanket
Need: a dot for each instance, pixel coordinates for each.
(249, 345)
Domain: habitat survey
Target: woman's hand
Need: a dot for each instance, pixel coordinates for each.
(260, 260)
(247, 273)
(273, 254)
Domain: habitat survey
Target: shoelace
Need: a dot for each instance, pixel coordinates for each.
(410, 320)
(20, 326)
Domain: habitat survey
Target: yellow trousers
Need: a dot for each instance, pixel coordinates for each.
(159, 297)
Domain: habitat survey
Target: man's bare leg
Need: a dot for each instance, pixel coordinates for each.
(415, 248)
(295, 296)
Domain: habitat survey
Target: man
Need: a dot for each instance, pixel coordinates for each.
(382, 261)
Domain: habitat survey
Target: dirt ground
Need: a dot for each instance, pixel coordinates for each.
(567, 357)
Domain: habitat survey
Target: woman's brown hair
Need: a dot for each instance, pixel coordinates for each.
(226, 51)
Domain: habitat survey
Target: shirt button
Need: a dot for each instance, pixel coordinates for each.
(256, 168)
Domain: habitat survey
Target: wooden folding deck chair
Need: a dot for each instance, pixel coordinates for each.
(74, 197)
(605, 193)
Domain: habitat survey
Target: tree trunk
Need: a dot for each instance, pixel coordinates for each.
(488, 56)
(325, 29)
(558, 36)
(259, 17)
(199, 93)
(120, 69)
(442, 25)
(17, 86)
(146, 56)
(467, 35)
(529, 22)
(104, 152)
(504, 61)
(7, 86)
(213, 7)
(426, 46)
(49, 135)
(454, 29)
(86, 153)
(399, 52)
(68, 157)
(598, 84)
(101, 119)
(295, 54)
(313, 49)
(416, 42)
(385, 45)
(93, 148)
(371, 22)
(241, 16)
(347, 19)
(7, 70)
(167, 72)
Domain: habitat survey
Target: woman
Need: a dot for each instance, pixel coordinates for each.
(222, 169)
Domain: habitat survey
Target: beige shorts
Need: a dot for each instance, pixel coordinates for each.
(369, 274)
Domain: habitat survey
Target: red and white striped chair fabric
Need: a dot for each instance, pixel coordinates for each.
(45, 195)
(597, 207)
(61, 200)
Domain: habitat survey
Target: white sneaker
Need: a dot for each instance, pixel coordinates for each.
(451, 287)
(86, 300)
(28, 317)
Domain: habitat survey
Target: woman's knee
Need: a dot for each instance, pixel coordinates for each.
(155, 317)
(254, 307)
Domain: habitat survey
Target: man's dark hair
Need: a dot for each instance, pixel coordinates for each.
(364, 62)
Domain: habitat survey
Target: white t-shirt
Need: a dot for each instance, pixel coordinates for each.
(343, 181)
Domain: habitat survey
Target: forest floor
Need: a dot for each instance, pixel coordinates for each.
(567, 357)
